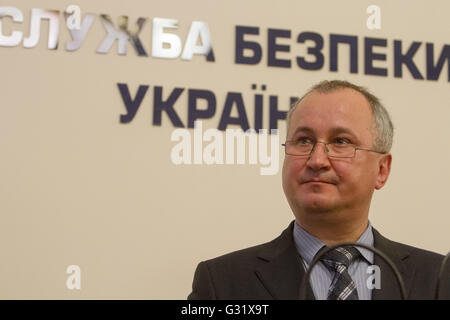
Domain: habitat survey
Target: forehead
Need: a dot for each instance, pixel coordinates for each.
(342, 108)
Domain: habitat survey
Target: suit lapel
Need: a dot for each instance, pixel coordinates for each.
(389, 287)
(280, 268)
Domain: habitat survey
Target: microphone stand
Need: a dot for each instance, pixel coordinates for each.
(441, 276)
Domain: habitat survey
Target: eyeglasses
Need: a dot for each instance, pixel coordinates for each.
(302, 148)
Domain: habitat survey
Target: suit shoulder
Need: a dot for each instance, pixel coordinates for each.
(425, 258)
(419, 255)
(242, 255)
(264, 251)
(222, 277)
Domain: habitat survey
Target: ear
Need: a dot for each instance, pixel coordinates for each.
(384, 168)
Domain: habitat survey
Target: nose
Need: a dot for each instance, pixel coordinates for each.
(318, 159)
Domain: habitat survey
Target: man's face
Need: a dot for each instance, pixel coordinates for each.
(341, 183)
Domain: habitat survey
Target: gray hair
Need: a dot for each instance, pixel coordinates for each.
(382, 124)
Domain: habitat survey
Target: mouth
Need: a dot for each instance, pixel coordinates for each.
(317, 181)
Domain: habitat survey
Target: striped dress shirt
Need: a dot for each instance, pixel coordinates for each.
(321, 277)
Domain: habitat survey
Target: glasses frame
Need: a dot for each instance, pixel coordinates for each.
(327, 150)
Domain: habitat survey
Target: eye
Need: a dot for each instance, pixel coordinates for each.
(303, 140)
(341, 141)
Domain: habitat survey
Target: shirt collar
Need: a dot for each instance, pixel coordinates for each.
(308, 245)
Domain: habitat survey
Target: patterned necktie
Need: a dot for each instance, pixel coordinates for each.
(337, 260)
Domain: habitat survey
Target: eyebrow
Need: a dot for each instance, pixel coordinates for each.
(333, 131)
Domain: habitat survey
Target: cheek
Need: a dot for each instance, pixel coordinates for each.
(348, 177)
(291, 173)
(357, 177)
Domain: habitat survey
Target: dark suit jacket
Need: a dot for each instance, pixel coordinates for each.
(274, 270)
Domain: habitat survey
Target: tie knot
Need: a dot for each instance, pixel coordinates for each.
(340, 256)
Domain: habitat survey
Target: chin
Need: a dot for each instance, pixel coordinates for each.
(317, 204)
(318, 208)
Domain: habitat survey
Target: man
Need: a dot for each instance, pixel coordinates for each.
(337, 149)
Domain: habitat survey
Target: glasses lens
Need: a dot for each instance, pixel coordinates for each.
(296, 148)
(341, 150)
(337, 150)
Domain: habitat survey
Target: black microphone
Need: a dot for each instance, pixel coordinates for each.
(441, 276)
(398, 277)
